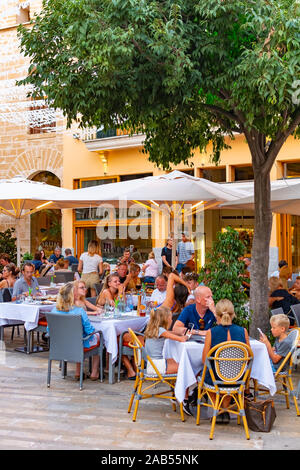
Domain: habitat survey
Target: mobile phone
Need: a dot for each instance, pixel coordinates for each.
(260, 331)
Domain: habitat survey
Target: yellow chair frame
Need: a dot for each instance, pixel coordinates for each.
(234, 385)
(284, 377)
(150, 382)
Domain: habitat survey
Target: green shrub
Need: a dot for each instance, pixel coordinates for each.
(223, 273)
(27, 256)
(8, 244)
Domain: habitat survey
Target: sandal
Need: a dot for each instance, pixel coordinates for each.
(85, 376)
(94, 378)
(131, 378)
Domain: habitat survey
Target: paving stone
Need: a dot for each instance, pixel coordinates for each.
(64, 418)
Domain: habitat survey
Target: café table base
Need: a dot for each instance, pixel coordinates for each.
(28, 348)
(35, 349)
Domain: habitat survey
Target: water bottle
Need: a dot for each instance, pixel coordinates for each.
(106, 309)
(129, 303)
(121, 305)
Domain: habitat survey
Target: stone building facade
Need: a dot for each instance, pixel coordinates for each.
(25, 150)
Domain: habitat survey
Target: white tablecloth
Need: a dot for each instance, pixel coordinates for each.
(112, 328)
(189, 357)
(11, 313)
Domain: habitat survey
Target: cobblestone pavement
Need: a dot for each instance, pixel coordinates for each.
(61, 417)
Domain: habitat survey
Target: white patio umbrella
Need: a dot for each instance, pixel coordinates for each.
(285, 198)
(167, 189)
(20, 197)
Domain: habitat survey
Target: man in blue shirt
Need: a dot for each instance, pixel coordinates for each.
(26, 281)
(201, 314)
(68, 255)
(56, 255)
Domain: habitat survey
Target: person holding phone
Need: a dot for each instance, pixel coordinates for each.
(283, 343)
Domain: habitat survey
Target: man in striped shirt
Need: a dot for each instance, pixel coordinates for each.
(185, 252)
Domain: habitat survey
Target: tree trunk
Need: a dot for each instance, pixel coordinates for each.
(259, 291)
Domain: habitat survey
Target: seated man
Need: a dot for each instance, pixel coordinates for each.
(159, 294)
(56, 255)
(122, 271)
(202, 313)
(26, 281)
(72, 259)
(126, 258)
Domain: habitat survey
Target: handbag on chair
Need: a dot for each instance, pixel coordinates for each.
(260, 415)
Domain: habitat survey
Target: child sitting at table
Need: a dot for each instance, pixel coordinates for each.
(283, 342)
(155, 335)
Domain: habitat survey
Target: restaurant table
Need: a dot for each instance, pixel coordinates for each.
(111, 328)
(12, 313)
(189, 357)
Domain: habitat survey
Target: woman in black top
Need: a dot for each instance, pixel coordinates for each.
(166, 254)
(280, 297)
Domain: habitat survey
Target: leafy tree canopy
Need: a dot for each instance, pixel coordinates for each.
(186, 72)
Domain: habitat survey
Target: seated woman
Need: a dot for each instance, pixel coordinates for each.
(106, 271)
(295, 289)
(224, 331)
(44, 258)
(133, 281)
(62, 265)
(280, 297)
(80, 297)
(192, 281)
(37, 262)
(112, 287)
(177, 294)
(65, 304)
(9, 275)
(156, 333)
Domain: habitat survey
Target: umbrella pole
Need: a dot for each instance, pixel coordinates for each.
(18, 242)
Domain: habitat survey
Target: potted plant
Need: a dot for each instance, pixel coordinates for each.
(223, 273)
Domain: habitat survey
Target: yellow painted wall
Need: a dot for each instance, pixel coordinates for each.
(79, 162)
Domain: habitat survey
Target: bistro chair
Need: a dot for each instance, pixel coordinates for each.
(125, 349)
(92, 300)
(145, 384)
(59, 278)
(74, 267)
(66, 343)
(98, 287)
(283, 375)
(44, 281)
(229, 366)
(295, 314)
(277, 311)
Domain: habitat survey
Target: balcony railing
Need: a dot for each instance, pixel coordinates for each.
(92, 133)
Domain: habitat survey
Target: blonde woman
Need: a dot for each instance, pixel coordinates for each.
(91, 266)
(150, 269)
(66, 304)
(224, 331)
(80, 297)
(62, 265)
(112, 287)
(133, 281)
(156, 333)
